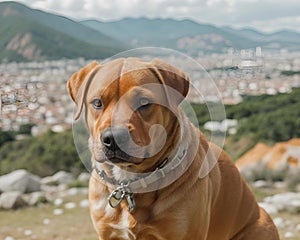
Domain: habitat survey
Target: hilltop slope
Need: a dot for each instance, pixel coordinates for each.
(28, 34)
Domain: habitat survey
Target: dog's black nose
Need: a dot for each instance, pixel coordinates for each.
(112, 138)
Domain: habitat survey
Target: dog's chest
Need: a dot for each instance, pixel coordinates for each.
(121, 228)
(119, 224)
(111, 223)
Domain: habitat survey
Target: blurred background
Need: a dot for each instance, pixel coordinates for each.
(249, 48)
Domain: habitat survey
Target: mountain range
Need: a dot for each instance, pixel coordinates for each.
(193, 37)
(30, 34)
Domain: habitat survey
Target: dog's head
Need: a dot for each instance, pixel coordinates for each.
(125, 101)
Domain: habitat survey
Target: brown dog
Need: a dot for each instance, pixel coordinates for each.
(120, 105)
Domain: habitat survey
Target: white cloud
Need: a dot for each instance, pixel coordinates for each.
(263, 14)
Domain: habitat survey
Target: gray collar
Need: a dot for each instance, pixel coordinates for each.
(124, 188)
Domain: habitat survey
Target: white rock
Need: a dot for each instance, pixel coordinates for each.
(72, 191)
(58, 211)
(58, 201)
(58, 178)
(12, 200)
(35, 198)
(9, 238)
(76, 191)
(70, 205)
(261, 184)
(295, 203)
(288, 201)
(53, 189)
(49, 189)
(298, 227)
(280, 185)
(62, 187)
(271, 209)
(279, 222)
(84, 177)
(289, 235)
(46, 221)
(84, 203)
(21, 181)
(27, 232)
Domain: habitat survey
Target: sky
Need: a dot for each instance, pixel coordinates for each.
(264, 15)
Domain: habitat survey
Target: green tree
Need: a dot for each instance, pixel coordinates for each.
(26, 128)
(6, 136)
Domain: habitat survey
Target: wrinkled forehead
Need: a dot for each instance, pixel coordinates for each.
(119, 76)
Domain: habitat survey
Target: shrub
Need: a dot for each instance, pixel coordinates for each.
(43, 155)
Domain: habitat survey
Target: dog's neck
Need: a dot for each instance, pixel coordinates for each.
(126, 186)
(123, 184)
(113, 175)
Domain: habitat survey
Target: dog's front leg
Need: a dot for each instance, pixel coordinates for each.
(262, 229)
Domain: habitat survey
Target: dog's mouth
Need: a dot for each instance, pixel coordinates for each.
(118, 157)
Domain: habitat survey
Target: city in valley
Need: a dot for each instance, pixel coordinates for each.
(35, 92)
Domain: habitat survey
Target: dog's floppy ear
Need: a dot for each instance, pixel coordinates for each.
(78, 84)
(173, 77)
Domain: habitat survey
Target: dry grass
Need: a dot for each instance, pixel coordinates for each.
(73, 224)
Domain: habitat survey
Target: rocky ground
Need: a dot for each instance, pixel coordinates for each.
(55, 207)
(282, 205)
(58, 210)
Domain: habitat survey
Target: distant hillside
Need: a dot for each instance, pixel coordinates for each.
(266, 118)
(186, 35)
(190, 36)
(28, 34)
(283, 35)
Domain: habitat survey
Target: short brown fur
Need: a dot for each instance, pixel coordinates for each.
(219, 206)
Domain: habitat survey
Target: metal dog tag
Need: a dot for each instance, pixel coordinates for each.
(116, 197)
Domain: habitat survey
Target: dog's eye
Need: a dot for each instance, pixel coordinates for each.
(96, 103)
(144, 103)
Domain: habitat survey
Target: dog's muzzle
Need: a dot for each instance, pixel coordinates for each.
(115, 140)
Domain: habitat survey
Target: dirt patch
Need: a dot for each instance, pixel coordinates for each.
(23, 45)
(9, 12)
